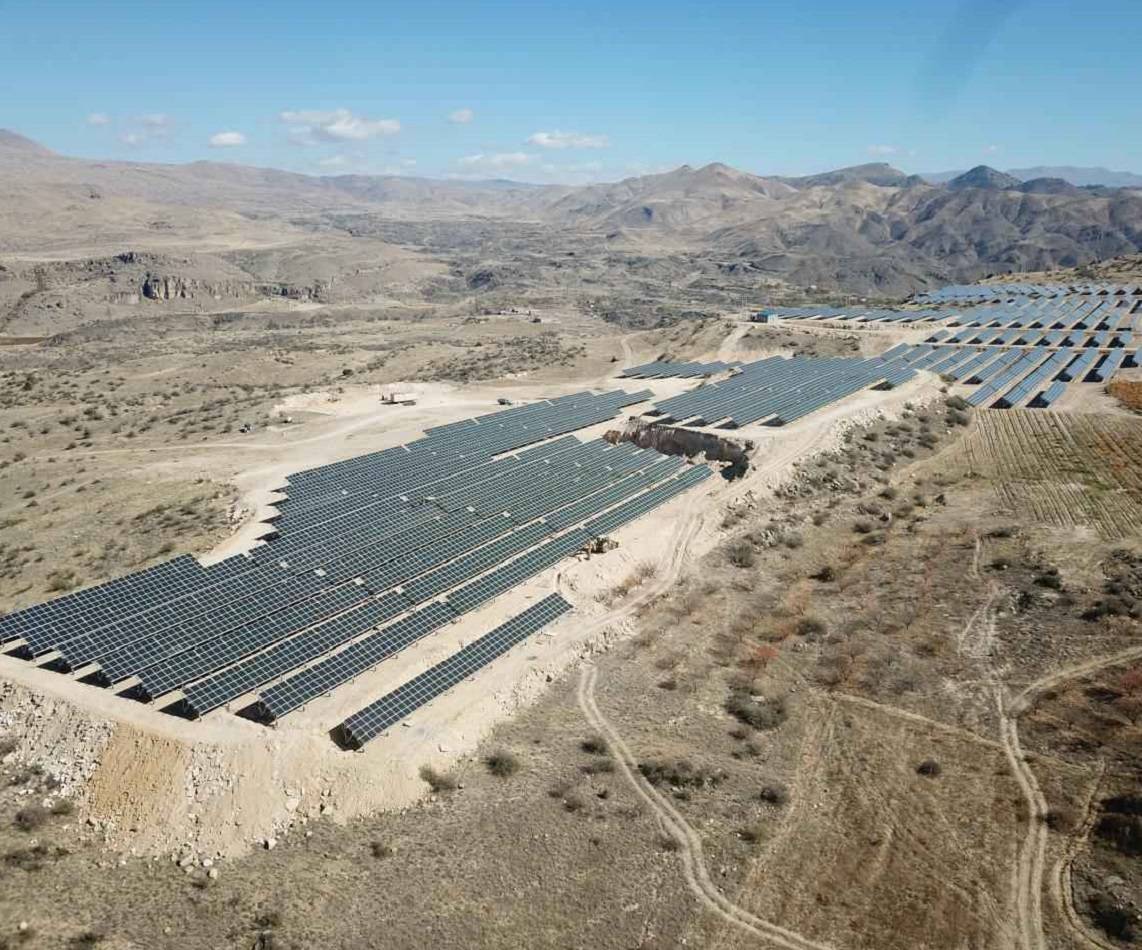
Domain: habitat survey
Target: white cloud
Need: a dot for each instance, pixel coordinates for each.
(98, 118)
(992, 149)
(156, 121)
(132, 138)
(461, 116)
(227, 139)
(882, 150)
(337, 125)
(496, 161)
(559, 139)
(333, 161)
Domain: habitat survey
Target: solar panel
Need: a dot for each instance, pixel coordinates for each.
(398, 704)
(361, 655)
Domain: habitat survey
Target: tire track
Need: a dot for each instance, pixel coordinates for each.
(690, 845)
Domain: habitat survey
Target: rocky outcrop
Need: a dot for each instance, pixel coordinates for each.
(672, 440)
(177, 287)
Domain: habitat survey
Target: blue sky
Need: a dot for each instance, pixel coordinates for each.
(569, 92)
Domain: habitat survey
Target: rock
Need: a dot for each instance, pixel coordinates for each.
(270, 844)
(291, 804)
(207, 863)
(212, 874)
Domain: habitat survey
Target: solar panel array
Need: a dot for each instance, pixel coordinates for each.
(855, 314)
(664, 370)
(777, 391)
(996, 292)
(1020, 343)
(391, 708)
(369, 554)
(1013, 376)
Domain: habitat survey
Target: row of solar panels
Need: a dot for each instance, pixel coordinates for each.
(511, 429)
(660, 369)
(778, 391)
(1103, 318)
(1018, 336)
(1000, 291)
(1012, 377)
(411, 695)
(855, 314)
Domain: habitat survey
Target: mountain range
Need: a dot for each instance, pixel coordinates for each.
(865, 229)
(1074, 175)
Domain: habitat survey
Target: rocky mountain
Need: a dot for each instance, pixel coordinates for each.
(867, 229)
(685, 198)
(983, 176)
(1082, 177)
(873, 173)
(1049, 186)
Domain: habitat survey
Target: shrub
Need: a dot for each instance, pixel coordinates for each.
(763, 714)
(825, 574)
(792, 539)
(1123, 832)
(7, 745)
(739, 553)
(957, 403)
(1111, 919)
(63, 807)
(30, 817)
(862, 526)
(437, 781)
(774, 795)
(929, 768)
(1050, 579)
(679, 774)
(595, 745)
(811, 626)
(378, 849)
(502, 764)
(573, 802)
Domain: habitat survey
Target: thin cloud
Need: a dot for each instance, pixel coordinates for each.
(557, 139)
(98, 118)
(310, 126)
(143, 129)
(883, 150)
(156, 121)
(461, 116)
(227, 140)
(496, 161)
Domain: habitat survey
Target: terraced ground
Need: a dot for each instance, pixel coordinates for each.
(1064, 469)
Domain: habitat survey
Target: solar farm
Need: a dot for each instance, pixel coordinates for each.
(1017, 345)
(368, 556)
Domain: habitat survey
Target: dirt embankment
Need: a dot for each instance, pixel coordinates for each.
(672, 440)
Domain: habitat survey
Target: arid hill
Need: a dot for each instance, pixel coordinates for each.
(870, 229)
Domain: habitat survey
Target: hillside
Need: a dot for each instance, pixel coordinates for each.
(865, 229)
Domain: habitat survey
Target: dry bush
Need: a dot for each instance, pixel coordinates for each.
(502, 764)
(758, 713)
(739, 553)
(437, 781)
